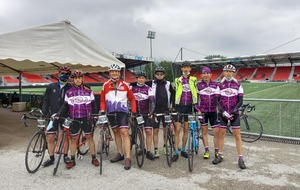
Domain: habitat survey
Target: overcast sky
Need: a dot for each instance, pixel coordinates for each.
(206, 27)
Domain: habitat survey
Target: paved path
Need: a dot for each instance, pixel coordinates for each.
(270, 166)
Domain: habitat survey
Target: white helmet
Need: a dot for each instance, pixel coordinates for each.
(229, 68)
(114, 67)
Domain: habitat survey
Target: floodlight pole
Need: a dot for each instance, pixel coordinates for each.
(151, 36)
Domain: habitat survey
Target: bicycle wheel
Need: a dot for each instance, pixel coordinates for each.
(190, 150)
(5, 102)
(101, 148)
(169, 145)
(82, 144)
(251, 128)
(60, 152)
(35, 152)
(139, 147)
(106, 140)
(197, 139)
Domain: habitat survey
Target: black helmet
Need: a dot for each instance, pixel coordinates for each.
(185, 63)
(141, 74)
(159, 69)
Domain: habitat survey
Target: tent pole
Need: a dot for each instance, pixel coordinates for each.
(20, 86)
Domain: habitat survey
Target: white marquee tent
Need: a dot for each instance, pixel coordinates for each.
(42, 49)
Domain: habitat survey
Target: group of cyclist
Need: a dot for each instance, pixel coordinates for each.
(213, 102)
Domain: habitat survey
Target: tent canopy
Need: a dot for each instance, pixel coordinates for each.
(42, 49)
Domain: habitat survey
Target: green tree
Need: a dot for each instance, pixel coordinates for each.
(167, 65)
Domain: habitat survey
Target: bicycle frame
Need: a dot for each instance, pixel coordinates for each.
(193, 140)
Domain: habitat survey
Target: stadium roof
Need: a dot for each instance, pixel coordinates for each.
(262, 60)
(133, 60)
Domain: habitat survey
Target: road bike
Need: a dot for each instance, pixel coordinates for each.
(169, 138)
(105, 136)
(37, 145)
(81, 142)
(138, 138)
(251, 127)
(194, 136)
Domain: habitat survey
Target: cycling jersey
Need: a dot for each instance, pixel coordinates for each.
(186, 93)
(206, 96)
(229, 92)
(80, 101)
(143, 97)
(115, 96)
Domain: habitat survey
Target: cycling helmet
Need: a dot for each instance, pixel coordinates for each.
(206, 70)
(229, 68)
(141, 74)
(185, 63)
(77, 73)
(114, 67)
(65, 69)
(159, 69)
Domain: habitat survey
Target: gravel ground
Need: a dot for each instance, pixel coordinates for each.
(269, 166)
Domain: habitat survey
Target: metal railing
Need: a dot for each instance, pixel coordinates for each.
(280, 118)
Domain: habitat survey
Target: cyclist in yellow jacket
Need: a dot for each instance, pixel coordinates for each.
(185, 98)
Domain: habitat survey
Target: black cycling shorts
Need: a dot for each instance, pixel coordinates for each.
(56, 123)
(85, 126)
(120, 120)
(211, 117)
(185, 109)
(235, 123)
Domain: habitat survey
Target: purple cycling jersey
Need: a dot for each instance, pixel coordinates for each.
(79, 101)
(186, 96)
(229, 93)
(206, 96)
(142, 97)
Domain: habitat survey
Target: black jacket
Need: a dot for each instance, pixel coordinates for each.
(54, 98)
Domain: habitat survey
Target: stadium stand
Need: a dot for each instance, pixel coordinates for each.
(216, 74)
(282, 74)
(296, 75)
(263, 73)
(244, 74)
(129, 76)
(31, 78)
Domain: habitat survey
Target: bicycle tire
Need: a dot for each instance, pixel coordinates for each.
(82, 144)
(197, 139)
(169, 146)
(36, 146)
(139, 146)
(60, 152)
(5, 103)
(101, 148)
(255, 130)
(190, 150)
(106, 140)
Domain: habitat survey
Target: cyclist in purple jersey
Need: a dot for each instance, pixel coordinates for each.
(206, 107)
(229, 100)
(185, 98)
(80, 103)
(144, 102)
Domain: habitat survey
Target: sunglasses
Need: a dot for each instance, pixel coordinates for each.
(159, 74)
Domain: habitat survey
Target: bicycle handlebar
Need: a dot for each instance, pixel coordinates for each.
(247, 107)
